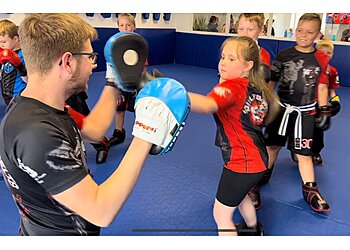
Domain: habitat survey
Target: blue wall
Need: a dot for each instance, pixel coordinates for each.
(203, 51)
(167, 46)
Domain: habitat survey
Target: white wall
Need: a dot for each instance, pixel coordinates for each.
(282, 22)
(184, 21)
(16, 18)
(98, 21)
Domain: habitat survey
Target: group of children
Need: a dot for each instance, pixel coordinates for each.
(243, 103)
(242, 106)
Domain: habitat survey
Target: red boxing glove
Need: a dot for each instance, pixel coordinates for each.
(7, 55)
(76, 116)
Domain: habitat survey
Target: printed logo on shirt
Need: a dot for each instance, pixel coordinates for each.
(32, 173)
(257, 107)
(10, 180)
(8, 68)
(64, 157)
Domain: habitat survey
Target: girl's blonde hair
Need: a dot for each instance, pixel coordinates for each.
(248, 50)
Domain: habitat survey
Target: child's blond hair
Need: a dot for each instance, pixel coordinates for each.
(311, 17)
(248, 50)
(8, 28)
(129, 16)
(257, 18)
(325, 43)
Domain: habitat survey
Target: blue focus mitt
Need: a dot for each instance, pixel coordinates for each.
(126, 53)
(161, 108)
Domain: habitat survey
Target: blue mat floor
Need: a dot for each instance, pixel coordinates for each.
(175, 192)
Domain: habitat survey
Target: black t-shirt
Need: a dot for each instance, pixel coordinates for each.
(299, 75)
(42, 154)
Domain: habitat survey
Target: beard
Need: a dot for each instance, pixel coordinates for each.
(78, 82)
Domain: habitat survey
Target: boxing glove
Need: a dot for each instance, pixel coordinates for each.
(323, 121)
(147, 77)
(335, 105)
(7, 55)
(161, 108)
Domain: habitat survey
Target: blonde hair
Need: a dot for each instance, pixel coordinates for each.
(8, 28)
(45, 37)
(129, 16)
(257, 18)
(325, 43)
(248, 50)
(311, 17)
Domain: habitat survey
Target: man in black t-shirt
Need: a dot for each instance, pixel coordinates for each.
(41, 147)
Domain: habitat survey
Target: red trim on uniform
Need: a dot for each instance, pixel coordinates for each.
(230, 96)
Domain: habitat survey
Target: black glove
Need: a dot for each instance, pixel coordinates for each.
(323, 121)
(335, 105)
(147, 77)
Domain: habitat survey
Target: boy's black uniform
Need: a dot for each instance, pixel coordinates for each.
(299, 75)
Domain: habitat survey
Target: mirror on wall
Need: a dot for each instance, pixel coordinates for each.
(215, 22)
(334, 25)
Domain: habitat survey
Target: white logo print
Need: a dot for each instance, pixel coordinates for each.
(32, 173)
(7, 175)
(65, 157)
(257, 107)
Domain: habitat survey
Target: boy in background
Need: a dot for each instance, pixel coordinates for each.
(125, 22)
(318, 142)
(252, 25)
(13, 72)
(302, 75)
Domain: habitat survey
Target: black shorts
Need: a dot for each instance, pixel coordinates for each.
(272, 138)
(233, 187)
(129, 102)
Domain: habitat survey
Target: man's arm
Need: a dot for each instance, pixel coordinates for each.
(161, 107)
(100, 204)
(100, 118)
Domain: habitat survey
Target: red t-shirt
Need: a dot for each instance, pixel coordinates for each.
(333, 78)
(265, 56)
(239, 120)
